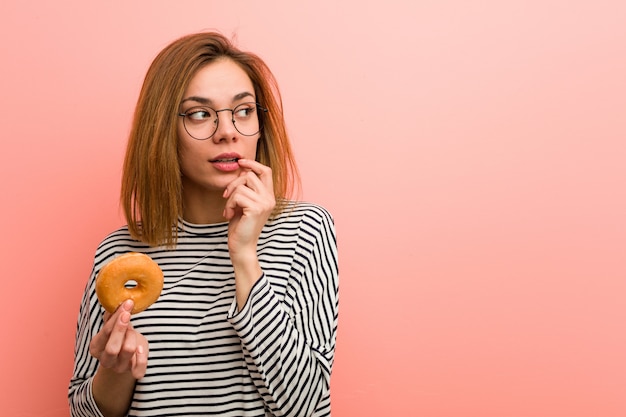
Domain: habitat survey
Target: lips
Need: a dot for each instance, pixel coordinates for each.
(226, 162)
(226, 157)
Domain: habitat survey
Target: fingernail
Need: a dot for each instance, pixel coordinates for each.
(128, 305)
(125, 317)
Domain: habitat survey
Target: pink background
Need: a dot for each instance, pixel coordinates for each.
(472, 152)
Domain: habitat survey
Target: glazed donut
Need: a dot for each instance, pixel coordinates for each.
(111, 282)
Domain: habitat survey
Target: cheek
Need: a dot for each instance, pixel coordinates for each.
(254, 146)
(185, 155)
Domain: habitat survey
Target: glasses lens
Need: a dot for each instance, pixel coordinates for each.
(200, 122)
(246, 119)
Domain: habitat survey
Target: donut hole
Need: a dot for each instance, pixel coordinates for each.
(130, 284)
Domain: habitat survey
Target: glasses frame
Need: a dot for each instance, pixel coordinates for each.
(232, 119)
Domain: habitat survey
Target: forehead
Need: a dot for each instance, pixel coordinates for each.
(219, 81)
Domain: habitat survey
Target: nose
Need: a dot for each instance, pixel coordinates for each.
(225, 126)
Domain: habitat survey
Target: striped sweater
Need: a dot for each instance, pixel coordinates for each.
(272, 358)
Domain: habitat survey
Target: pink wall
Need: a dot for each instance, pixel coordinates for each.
(472, 153)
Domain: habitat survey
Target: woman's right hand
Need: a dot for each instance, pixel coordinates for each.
(118, 347)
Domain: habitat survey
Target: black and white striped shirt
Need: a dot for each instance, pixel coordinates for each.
(272, 358)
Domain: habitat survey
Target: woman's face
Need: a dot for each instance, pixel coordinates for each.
(209, 165)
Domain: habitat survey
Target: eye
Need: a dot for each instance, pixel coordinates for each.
(244, 111)
(199, 114)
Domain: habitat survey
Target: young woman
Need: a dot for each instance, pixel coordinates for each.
(246, 322)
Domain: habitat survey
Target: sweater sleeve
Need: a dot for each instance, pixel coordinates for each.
(81, 401)
(289, 347)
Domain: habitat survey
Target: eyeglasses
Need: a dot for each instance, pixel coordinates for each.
(201, 122)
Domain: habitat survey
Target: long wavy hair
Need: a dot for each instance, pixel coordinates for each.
(151, 192)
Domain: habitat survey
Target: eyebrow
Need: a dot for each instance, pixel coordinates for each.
(207, 101)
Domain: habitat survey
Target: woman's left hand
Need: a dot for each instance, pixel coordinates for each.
(249, 203)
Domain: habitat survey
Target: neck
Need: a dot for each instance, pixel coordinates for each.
(203, 207)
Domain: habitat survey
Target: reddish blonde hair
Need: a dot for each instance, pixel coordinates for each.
(151, 193)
